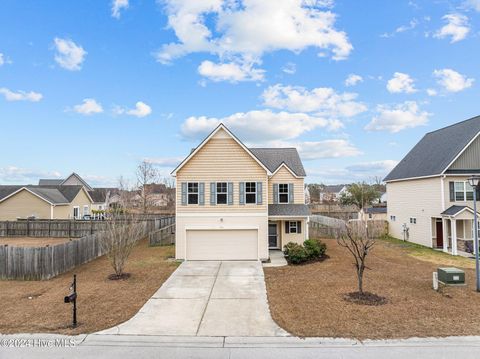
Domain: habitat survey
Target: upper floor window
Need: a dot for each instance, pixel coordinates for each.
(192, 192)
(393, 218)
(283, 193)
(250, 192)
(221, 192)
(413, 220)
(463, 191)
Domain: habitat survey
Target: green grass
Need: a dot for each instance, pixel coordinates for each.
(428, 254)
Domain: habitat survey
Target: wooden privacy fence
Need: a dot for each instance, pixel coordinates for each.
(378, 228)
(327, 221)
(317, 230)
(162, 237)
(65, 228)
(39, 263)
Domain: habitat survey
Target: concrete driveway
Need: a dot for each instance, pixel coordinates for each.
(210, 298)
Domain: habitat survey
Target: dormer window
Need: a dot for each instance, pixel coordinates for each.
(283, 194)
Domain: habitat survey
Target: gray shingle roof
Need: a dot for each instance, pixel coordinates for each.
(53, 194)
(294, 210)
(453, 210)
(49, 182)
(374, 210)
(99, 195)
(436, 150)
(272, 158)
(333, 188)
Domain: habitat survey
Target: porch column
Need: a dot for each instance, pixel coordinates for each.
(307, 228)
(445, 235)
(454, 236)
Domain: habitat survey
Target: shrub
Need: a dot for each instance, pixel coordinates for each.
(295, 253)
(312, 249)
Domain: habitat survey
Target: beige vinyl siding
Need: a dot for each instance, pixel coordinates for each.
(470, 158)
(221, 159)
(22, 205)
(66, 212)
(284, 176)
(420, 199)
(292, 237)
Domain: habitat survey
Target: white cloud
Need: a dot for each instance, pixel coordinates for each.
(401, 83)
(141, 110)
(259, 126)
(230, 29)
(472, 4)
(17, 175)
(456, 27)
(397, 118)
(373, 167)
(322, 100)
(333, 148)
(20, 95)
(353, 79)
(431, 92)
(452, 81)
(290, 68)
(165, 161)
(362, 171)
(117, 6)
(88, 107)
(69, 55)
(404, 28)
(232, 72)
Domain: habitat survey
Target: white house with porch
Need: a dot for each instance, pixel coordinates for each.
(430, 201)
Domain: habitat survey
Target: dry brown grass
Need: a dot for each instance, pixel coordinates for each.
(308, 300)
(102, 303)
(33, 241)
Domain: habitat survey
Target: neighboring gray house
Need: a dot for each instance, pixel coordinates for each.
(429, 198)
(332, 193)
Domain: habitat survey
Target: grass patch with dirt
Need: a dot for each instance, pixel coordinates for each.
(308, 300)
(37, 306)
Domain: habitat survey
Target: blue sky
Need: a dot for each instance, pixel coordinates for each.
(97, 86)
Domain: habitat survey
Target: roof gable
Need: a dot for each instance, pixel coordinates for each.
(225, 134)
(436, 151)
(274, 158)
(76, 179)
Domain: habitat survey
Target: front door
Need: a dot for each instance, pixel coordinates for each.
(272, 235)
(439, 234)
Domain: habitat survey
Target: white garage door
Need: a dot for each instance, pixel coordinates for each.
(224, 244)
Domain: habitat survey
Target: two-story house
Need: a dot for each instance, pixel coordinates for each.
(235, 202)
(430, 201)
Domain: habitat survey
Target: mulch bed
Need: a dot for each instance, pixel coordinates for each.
(37, 306)
(365, 298)
(309, 300)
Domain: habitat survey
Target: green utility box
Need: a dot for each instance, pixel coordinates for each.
(451, 276)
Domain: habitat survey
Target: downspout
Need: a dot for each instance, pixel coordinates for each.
(51, 211)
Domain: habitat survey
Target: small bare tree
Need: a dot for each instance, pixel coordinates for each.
(146, 174)
(122, 232)
(358, 237)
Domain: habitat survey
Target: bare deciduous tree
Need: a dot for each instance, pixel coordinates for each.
(146, 174)
(122, 232)
(358, 237)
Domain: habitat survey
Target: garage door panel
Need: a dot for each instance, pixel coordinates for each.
(231, 244)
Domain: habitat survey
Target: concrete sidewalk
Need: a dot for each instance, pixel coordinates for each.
(138, 346)
(208, 298)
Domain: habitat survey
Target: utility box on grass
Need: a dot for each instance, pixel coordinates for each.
(451, 276)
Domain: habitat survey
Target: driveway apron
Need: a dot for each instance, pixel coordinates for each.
(207, 298)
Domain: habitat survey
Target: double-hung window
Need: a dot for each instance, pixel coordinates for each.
(293, 226)
(463, 191)
(478, 229)
(192, 192)
(283, 193)
(250, 192)
(221, 192)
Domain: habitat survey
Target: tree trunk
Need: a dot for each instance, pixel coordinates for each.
(360, 279)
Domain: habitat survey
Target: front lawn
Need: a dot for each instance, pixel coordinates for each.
(308, 300)
(37, 306)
